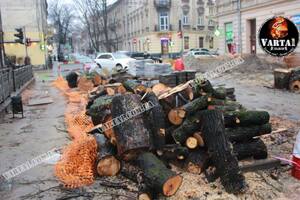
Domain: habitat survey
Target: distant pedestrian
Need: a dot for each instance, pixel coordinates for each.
(179, 65)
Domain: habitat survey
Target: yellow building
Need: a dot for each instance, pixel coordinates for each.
(32, 16)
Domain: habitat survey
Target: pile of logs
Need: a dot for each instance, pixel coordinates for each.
(287, 79)
(192, 126)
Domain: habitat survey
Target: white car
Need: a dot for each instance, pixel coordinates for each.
(110, 61)
(202, 54)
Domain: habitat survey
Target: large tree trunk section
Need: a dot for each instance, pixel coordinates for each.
(100, 109)
(134, 86)
(208, 88)
(177, 115)
(255, 148)
(158, 176)
(132, 135)
(155, 119)
(72, 79)
(239, 134)
(173, 152)
(281, 78)
(220, 151)
(107, 165)
(246, 118)
(197, 161)
(190, 125)
(226, 108)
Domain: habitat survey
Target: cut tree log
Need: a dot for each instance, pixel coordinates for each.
(208, 88)
(198, 136)
(294, 83)
(191, 142)
(72, 79)
(281, 78)
(85, 84)
(177, 115)
(160, 88)
(246, 118)
(145, 192)
(107, 165)
(197, 161)
(168, 79)
(132, 135)
(134, 86)
(239, 134)
(190, 125)
(220, 151)
(155, 121)
(100, 109)
(172, 152)
(255, 148)
(158, 176)
(226, 108)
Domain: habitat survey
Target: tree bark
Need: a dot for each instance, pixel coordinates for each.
(208, 88)
(246, 118)
(173, 152)
(100, 109)
(197, 161)
(155, 120)
(134, 87)
(239, 134)
(255, 148)
(158, 176)
(190, 125)
(132, 135)
(220, 151)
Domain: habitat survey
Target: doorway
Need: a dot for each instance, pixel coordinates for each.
(252, 23)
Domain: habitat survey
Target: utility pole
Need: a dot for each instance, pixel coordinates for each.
(239, 27)
(25, 43)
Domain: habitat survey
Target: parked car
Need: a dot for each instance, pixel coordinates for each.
(141, 56)
(199, 49)
(202, 54)
(109, 61)
(87, 62)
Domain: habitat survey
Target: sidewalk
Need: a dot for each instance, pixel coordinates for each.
(38, 132)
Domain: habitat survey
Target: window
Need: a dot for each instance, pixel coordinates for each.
(210, 22)
(186, 42)
(163, 21)
(201, 42)
(211, 10)
(211, 43)
(105, 56)
(200, 20)
(185, 20)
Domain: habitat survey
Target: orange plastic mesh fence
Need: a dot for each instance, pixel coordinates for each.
(77, 165)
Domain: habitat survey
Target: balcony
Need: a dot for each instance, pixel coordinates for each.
(162, 4)
(157, 28)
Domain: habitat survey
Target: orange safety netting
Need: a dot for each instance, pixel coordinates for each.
(76, 167)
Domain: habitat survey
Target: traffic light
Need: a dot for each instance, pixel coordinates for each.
(19, 35)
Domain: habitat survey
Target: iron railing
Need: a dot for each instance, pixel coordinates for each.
(11, 80)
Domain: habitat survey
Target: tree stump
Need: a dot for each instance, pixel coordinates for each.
(255, 148)
(281, 78)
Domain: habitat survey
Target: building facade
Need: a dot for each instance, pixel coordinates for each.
(31, 15)
(153, 25)
(239, 22)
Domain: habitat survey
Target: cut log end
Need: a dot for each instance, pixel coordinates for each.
(171, 186)
(108, 166)
(199, 138)
(176, 116)
(191, 143)
(295, 86)
(144, 196)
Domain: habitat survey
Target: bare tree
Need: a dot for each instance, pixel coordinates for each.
(61, 16)
(94, 15)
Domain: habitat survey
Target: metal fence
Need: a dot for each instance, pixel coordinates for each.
(21, 76)
(11, 80)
